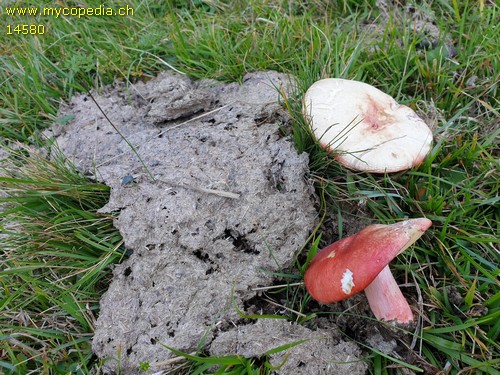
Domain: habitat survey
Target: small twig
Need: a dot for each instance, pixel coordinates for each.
(221, 193)
(171, 361)
(276, 286)
(191, 119)
(284, 307)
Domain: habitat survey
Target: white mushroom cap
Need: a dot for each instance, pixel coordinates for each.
(367, 128)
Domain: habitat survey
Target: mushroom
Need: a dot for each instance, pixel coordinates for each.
(368, 129)
(360, 262)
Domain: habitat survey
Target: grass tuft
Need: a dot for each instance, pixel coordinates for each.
(54, 261)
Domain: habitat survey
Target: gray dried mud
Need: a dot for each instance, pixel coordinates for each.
(219, 202)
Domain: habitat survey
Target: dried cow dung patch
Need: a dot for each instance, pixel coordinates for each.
(229, 204)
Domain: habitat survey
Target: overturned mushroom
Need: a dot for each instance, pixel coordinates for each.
(368, 129)
(360, 262)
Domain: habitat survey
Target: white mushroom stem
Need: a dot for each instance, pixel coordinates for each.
(386, 300)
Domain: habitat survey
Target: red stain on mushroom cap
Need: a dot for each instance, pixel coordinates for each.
(377, 116)
(348, 266)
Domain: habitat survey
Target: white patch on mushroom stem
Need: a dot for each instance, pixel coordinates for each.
(347, 281)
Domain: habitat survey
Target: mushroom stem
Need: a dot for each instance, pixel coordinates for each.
(386, 300)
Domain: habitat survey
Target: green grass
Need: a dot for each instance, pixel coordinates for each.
(56, 252)
(230, 364)
(56, 248)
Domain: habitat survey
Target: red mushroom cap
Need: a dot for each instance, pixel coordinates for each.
(348, 266)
